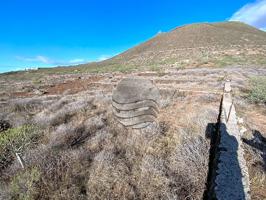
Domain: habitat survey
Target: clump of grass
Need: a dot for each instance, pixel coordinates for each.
(155, 68)
(24, 185)
(111, 67)
(229, 60)
(16, 140)
(258, 90)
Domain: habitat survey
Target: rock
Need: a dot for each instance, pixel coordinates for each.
(240, 120)
(38, 92)
(227, 86)
(243, 130)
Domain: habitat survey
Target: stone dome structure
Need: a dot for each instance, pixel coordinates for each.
(136, 102)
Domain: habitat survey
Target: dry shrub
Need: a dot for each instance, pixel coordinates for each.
(152, 180)
(109, 178)
(169, 96)
(76, 133)
(257, 174)
(208, 98)
(67, 136)
(151, 165)
(190, 163)
(61, 175)
(96, 143)
(22, 111)
(61, 112)
(28, 105)
(111, 172)
(89, 155)
(174, 169)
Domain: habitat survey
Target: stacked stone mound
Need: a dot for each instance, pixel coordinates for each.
(136, 102)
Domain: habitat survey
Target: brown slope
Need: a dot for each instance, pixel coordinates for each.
(203, 35)
(194, 43)
(203, 44)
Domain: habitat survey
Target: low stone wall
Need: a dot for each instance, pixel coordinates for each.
(232, 179)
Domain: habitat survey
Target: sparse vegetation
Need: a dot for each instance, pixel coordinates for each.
(24, 186)
(254, 117)
(89, 155)
(16, 140)
(258, 90)
(229, 60)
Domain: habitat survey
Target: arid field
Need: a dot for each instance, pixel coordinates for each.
(72, 148)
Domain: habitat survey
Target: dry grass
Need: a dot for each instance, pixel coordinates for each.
(254, 119)
(83, 153)
(257, 174)
(136, 165)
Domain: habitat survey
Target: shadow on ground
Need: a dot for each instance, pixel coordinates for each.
(259, 143)
(225, 178)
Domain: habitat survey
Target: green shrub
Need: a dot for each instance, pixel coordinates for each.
(228, 60)
(258, 90)
(24, 185)
(155, 68)
(16, 140)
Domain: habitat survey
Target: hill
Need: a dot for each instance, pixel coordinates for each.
(207, 44)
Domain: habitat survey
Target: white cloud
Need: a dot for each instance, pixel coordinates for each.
(41, 59)
(159, 32)
(49, 61)
(104, 57)
(77, 60)
(18, 69)
(253, 14)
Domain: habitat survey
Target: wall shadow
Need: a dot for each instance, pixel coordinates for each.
(211, 133)
(223, 155)
(259, 143)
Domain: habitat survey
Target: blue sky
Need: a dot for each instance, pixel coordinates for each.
(45, 33)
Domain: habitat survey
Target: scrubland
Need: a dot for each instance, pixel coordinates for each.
(71, 147)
